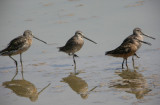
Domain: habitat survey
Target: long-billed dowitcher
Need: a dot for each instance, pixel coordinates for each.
(19, 45)
(129, 46)
(74, 44)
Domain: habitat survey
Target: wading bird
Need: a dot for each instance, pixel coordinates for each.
(74, 44)
(19, 45)
(129, 46)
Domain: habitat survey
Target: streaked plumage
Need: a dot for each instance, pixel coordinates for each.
(74, 44)
(129, 46)
(19, 45)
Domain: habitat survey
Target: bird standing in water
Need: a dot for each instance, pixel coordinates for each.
(74, 44)
(18, 46)
(129, 46)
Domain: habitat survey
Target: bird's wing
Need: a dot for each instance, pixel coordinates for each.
(125, 47)
(128, 40)
(71, 42)
(16, 43)
(122, 49)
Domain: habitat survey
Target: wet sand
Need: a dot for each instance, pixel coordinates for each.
(100, 79)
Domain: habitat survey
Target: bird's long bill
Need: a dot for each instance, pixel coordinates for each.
(39, 39)
(146, 43)
(149, 36)
(89, 39)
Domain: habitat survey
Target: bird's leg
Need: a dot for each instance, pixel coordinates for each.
(21, 65)
(15, 63)
(74, 64)
(136, 55)
(126, 64)
(123, 63)
(133, 60)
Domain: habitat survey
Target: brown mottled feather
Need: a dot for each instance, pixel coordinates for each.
(16, 46)
(128, 47)
(73, 45)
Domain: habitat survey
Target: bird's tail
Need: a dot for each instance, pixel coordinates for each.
(108, 52)
(2, 52)
(61, 49)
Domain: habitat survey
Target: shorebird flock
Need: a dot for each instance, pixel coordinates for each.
(128, 48)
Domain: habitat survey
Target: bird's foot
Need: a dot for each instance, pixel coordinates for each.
(75, 55)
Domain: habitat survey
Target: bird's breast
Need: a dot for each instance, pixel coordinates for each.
(80, 41)
(25, 46)
(29, 41)
(137, 43)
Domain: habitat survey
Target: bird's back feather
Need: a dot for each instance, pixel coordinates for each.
(73, 45)
(15, 45)
(125, 49)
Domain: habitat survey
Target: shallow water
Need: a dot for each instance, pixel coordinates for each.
(100, 79)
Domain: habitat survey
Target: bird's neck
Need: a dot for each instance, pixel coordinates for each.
(139, 36)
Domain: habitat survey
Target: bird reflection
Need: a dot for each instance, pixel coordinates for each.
(132, 82)
(78, 85)
(23, 88)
